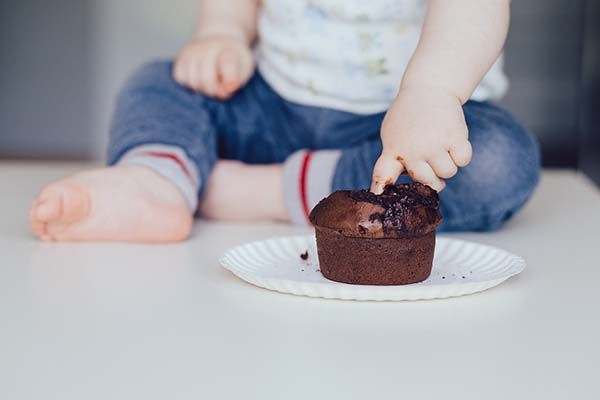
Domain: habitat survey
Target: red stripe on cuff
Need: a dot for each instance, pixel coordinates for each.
(172, 157)
(303, 176)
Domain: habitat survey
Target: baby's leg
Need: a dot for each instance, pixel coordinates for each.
(501, 177)
(237, 191)
(482, 196)
(137, 199)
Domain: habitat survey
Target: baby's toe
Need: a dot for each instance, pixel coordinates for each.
(38, 227)
(49, 209)
(62, 203)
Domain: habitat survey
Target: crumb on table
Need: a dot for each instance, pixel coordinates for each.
(304, 255)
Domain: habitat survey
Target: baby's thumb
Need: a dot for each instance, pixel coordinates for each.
(386, 171)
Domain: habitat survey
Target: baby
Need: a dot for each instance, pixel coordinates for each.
(345, 94)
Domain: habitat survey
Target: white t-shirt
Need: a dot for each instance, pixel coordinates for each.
(346, 54)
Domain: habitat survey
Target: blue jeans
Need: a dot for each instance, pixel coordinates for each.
(258, 126)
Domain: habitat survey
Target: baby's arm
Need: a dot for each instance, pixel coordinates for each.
(218, 61)
(424, 130)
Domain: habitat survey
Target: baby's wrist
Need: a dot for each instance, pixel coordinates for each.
(220, 32)
(428, 89)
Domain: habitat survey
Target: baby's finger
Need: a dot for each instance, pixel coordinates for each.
(228, 71)
(421, 172)
(443, 166)
(194, 75)
(179, 71)
(246, 60)
(461, 153)
(386, 171)
(208, 75)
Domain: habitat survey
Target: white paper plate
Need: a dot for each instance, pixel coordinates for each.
(459, 268)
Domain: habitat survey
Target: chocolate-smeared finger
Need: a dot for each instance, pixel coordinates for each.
(386, 171)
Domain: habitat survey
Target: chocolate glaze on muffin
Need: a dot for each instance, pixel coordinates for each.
(400, 211)
(385, 239)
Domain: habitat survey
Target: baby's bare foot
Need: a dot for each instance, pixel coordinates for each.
(244, 192)
(124, 203)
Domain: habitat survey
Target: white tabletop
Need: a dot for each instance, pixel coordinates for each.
(122, 321)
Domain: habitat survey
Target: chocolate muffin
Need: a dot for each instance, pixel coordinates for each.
(386, 239)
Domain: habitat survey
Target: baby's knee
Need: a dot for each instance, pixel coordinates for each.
(151, 73)
(153, 85)
(155, 77)
(502, 175)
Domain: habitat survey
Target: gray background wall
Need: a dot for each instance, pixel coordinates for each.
(63, 61)
(590, 77)
(45, 104)
(543, 62)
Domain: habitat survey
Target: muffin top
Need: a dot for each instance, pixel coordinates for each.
(400, 211)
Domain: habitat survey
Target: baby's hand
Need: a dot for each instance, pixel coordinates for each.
(216, 66)
(424, 132)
